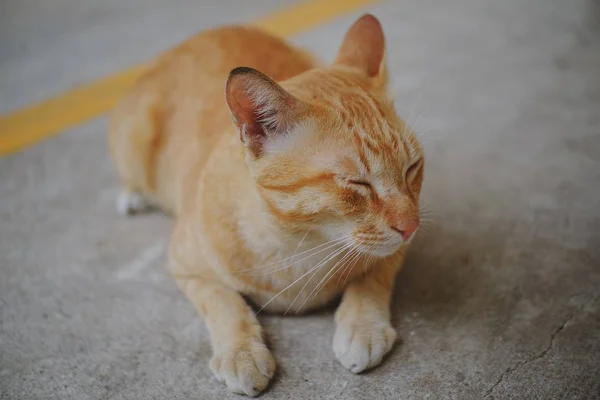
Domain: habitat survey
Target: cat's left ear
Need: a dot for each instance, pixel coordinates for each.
(260, 108)
(364, 48)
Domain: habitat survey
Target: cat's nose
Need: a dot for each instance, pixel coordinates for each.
(406, 228)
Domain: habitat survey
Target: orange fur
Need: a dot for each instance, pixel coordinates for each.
(311, 192)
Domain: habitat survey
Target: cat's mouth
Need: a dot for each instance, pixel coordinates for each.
(381, 248)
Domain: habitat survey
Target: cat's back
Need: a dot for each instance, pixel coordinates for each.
(176, 112)
(222, 49)
(200, 65)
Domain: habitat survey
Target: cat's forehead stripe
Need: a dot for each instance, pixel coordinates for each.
(358, 141)
(373, 121)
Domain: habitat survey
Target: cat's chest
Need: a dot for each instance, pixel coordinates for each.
(304, 279)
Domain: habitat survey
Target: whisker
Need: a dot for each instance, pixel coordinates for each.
(317, 268)
(369, 236)
(428, 141)
(349, 266)
(414, 127)
(429, 224)
(370, 242)
(369, 256)
(412, 109)
(425, 212)
(295, 262)
(326, 278)
(300, 244)
(283, 290)
(365, 263)
(422, 234)
(306, 251)
(327, 244)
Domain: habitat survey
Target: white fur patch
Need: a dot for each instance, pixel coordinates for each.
(130, 203)
(284, 143)
(362, 344)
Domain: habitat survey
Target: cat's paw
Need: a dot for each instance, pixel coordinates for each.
(130, 203)
(361, 344)
(246, 368)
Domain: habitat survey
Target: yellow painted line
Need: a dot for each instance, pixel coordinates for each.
(33, 123)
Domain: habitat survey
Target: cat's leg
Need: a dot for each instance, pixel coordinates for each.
(364, 334)
(240, 359)
(131, 202)
(134, 142)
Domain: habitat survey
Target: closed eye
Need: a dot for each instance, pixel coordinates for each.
(358, 182)
(413, 169)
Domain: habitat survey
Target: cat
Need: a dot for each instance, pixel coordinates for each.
(292, 183)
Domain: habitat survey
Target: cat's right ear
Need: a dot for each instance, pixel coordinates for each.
(260, 108)
(364, 47)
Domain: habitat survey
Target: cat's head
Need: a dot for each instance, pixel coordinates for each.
(328, 152)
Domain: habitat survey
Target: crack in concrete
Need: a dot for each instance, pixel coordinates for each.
(519, 364)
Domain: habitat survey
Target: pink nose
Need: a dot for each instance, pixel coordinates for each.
(406, 228)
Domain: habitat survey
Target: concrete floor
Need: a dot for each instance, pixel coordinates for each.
(501, 300)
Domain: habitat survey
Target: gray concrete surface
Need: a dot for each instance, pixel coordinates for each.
(49, 46)
(499, 300)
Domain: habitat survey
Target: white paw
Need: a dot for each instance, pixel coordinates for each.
(361, 344)
(130, 203)
(245, 369)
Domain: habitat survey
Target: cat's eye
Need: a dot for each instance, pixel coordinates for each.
(362, 183)
(414, 168)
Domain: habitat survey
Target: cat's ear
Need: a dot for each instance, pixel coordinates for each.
(364, 47)
(260, 108)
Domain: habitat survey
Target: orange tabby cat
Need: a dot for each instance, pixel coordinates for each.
(311, 192)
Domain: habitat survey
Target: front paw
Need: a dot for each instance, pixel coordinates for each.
(360, 344)
(246, 368)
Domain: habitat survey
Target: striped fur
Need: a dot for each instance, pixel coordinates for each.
(307, 195)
